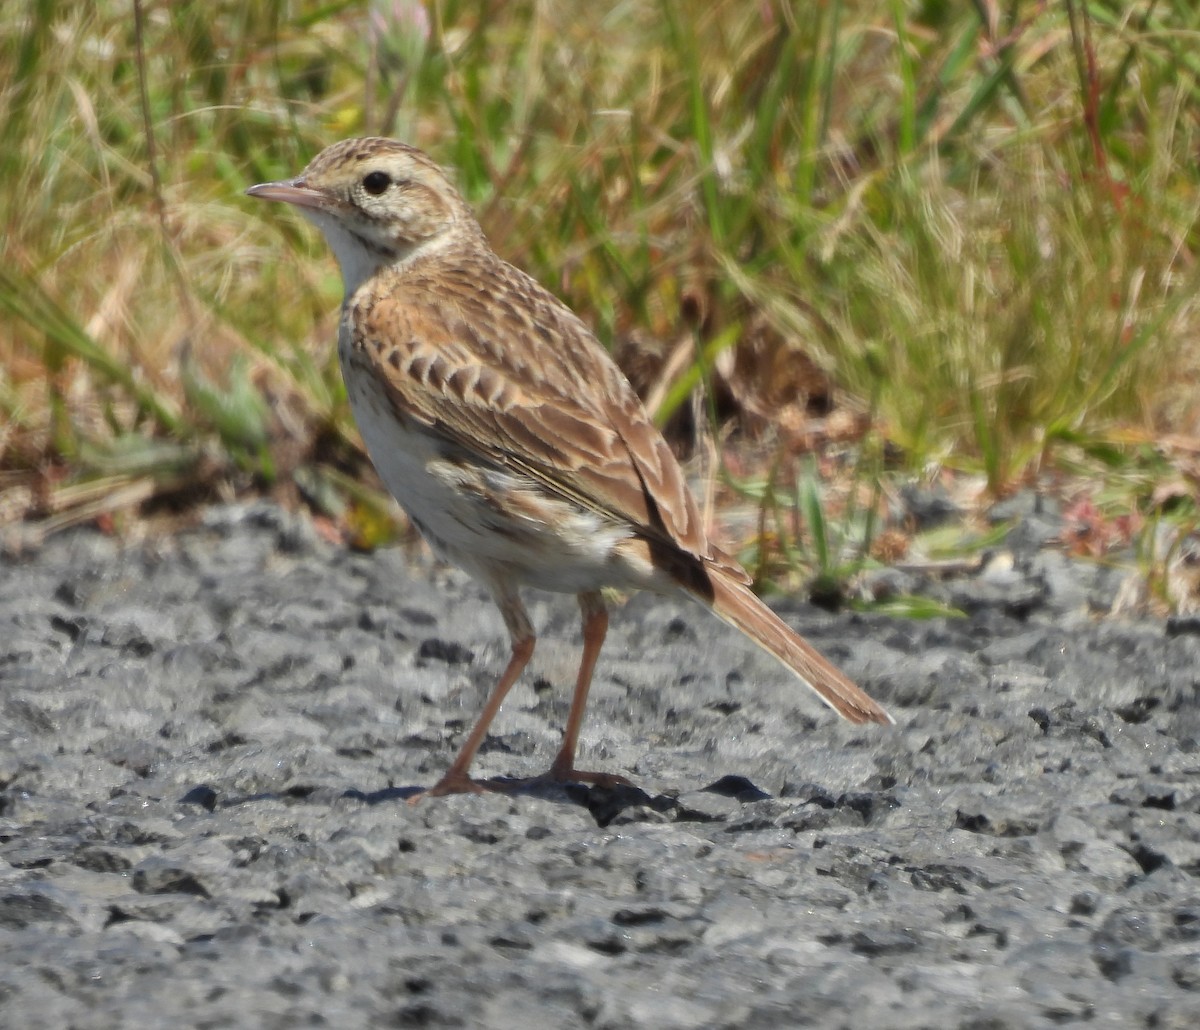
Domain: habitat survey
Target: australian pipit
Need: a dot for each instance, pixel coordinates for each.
(507, 433)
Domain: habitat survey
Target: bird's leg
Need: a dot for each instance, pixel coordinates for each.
(595, 627)
(520, 630)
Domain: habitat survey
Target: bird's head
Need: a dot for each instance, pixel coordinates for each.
(378, 202)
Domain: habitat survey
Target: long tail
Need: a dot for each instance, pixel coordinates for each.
(736, 604)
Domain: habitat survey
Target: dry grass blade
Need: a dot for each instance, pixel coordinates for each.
(44, 317)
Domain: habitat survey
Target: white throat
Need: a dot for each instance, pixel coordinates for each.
(359, 261)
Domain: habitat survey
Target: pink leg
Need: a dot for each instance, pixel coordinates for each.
(520, 630)
(595, 627)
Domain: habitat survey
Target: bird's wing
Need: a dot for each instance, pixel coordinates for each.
(484, 355)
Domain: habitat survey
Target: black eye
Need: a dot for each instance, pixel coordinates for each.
(376, 182)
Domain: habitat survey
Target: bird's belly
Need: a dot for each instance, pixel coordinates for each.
(493, 523)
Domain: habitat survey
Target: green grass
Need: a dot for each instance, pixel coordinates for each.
(981, 222)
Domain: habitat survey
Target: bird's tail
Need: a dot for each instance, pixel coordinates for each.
(736, 604)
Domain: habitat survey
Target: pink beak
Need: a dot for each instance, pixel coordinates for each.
(290, 191)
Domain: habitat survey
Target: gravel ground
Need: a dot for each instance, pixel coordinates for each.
(206, 744)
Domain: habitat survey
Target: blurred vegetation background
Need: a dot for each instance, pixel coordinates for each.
(918, 239)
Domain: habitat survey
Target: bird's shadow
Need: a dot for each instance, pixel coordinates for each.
(604, 802)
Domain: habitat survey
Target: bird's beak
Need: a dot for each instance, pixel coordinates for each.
(290, 191)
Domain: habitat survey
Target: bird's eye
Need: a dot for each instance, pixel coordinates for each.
(376, 182)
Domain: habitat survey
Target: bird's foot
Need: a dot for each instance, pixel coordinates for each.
(454, 783)
(556, 776)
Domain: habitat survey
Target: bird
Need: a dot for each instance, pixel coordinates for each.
(512, 440)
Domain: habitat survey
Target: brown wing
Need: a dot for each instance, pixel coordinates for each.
(485, 355)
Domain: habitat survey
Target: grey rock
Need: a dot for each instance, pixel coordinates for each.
(928, 507)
